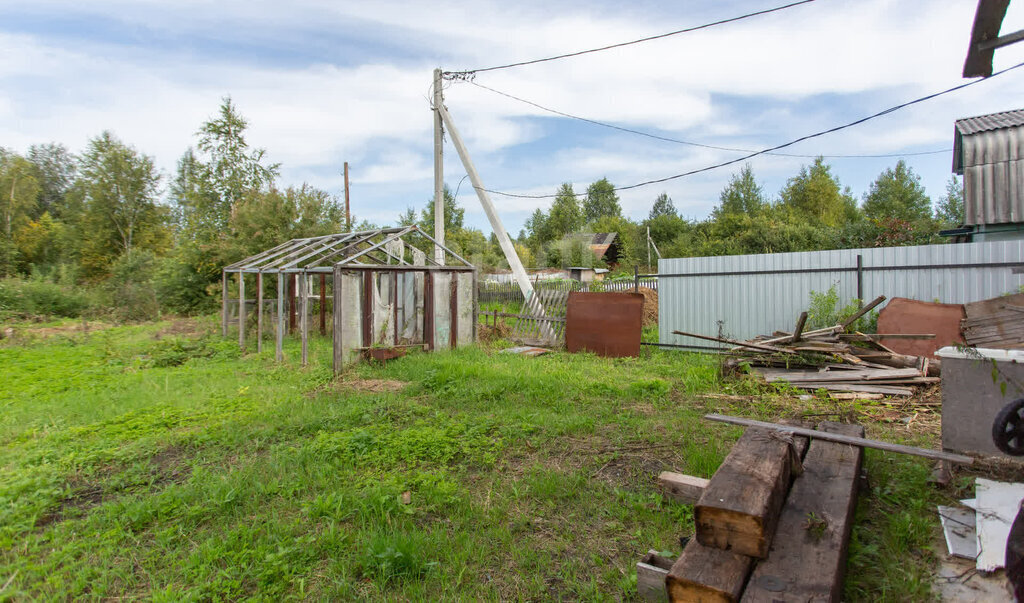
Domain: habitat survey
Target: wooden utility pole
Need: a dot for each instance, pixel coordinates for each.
(348, 215)
(438, 168)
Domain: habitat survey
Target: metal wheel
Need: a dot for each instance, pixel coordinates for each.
(1008, 428)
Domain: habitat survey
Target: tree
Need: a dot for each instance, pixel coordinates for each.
(408, 217)
(120, 186)
(601, 201)
(54, 169)
(454, 215)
(815, 196)
(207, 188)
(897, 194)
(663, 206)
(565, 216)
(743, 195)
(18, 193)
(950, 208)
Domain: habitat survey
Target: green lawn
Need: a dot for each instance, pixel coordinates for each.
(137, 463)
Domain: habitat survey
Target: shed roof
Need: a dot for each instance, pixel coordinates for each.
(992, 121)
(403, 245)
(981, 125)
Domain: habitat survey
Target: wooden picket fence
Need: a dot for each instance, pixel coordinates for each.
(509, 292)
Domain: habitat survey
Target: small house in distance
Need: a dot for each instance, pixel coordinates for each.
(988, 151)
(586, 275)
(604, 245)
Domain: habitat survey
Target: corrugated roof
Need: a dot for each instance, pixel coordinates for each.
(993, 121)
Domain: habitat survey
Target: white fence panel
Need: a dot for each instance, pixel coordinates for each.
(758, 294)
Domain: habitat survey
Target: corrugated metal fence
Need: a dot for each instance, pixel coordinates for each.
(758, 294)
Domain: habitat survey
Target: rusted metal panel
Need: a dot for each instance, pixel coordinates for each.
(608, 324)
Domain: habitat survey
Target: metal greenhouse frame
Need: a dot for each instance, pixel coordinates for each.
(385, 290)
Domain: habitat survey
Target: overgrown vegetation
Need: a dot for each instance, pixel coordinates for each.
(157, 461)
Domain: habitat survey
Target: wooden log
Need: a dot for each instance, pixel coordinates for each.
(683, 488)
(844, 439)
(771, 375)
(651, 572)
(887, 390)
(740, 505)
(808, 558)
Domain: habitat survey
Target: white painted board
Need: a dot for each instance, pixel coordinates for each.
(997, 505)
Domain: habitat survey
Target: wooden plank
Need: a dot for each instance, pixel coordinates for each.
(304, 319)
(739, 508)
(808, 558)
(336, 336)
(877, 336)
(799, 327)
(683, 488)
(771, 375)
(224, 304)
(279, 339)
(844, 439)
(887, 390)
(651, 572)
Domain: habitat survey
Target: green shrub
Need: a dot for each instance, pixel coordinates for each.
(131, 287)
(25, 298)
(824, 311)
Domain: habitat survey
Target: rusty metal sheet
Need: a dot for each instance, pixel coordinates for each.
(608, 324)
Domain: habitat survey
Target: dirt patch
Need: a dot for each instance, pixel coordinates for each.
(183, 327)
(27, 332)
(373, 385)
(170, 466)
(494, 332)
(84, 499)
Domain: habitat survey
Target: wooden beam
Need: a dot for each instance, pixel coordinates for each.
(337, 359)
(740, 506)
(799, 327)
(808, 558)
(292, 290)
(704, 573)
(683, 488)
(856, 315)
(844, 439)
(742, 344)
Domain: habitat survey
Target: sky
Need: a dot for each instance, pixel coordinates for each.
(324, 82)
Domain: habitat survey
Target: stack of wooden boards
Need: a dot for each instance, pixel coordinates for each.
(772, 524)
(995, 323)
(833, 360)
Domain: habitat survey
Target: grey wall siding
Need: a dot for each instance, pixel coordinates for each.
(993, 164)
(756, 304)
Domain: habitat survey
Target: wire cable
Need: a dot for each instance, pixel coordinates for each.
(470, 72)
(785, 144)
(688, 142)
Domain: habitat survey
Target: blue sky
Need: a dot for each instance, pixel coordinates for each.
(327, 82)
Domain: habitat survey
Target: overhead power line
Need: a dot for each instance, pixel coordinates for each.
(690, 142)
(785, 144)
(470, 72)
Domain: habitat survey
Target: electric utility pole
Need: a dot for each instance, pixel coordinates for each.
(438, 168)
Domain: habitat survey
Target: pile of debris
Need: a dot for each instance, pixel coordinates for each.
(833, 360)
(773, 523)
